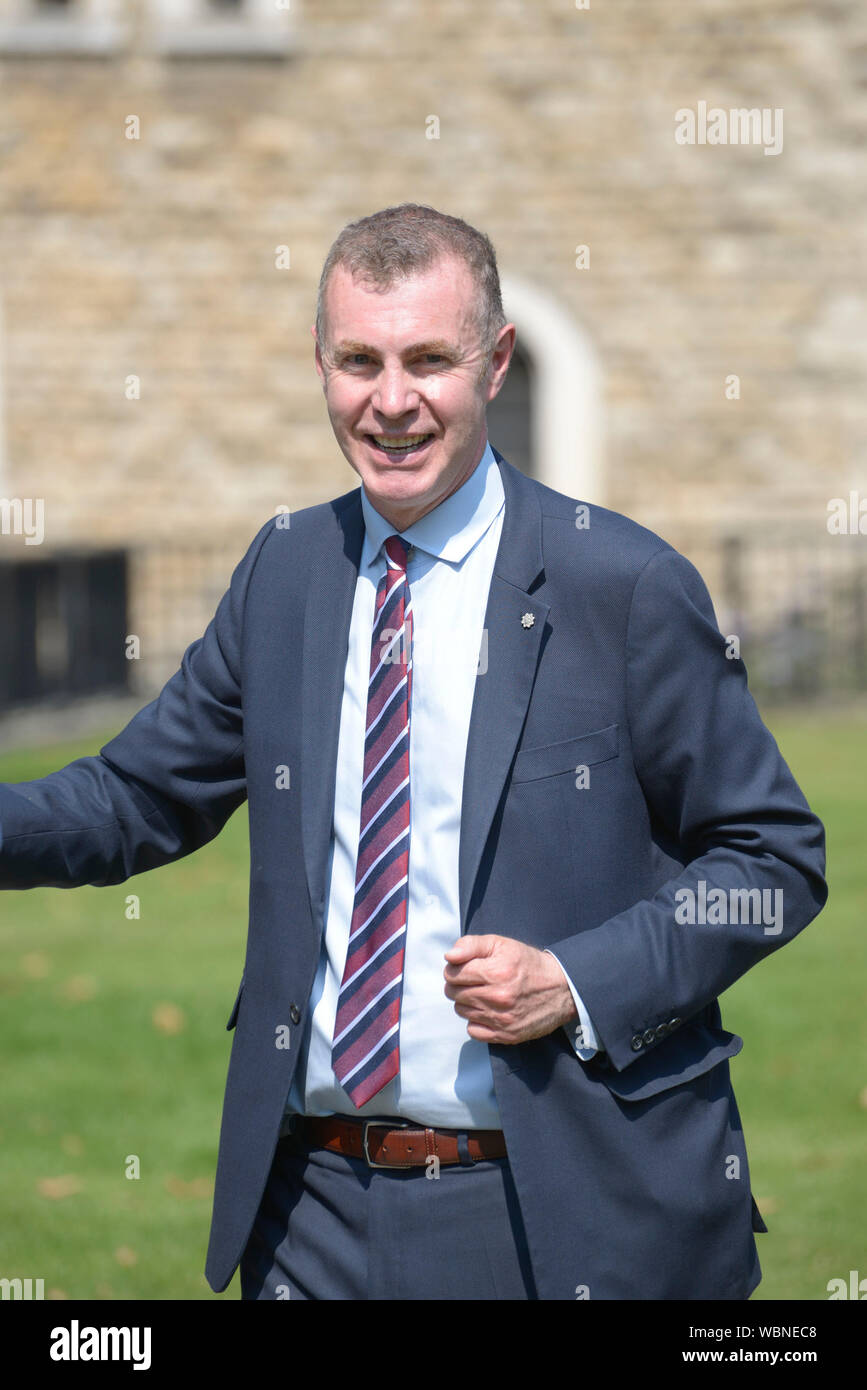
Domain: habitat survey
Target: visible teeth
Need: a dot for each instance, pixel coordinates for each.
(403, 442)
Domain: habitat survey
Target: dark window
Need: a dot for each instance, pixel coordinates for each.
(63, 626)
(510, 415)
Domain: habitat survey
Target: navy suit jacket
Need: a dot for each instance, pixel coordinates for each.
(630, 1170)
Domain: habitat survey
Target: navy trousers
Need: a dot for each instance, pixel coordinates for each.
(330, 1227)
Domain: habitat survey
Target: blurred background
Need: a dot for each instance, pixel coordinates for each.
(692, 351)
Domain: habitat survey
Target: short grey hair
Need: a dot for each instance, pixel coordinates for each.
(402, 241)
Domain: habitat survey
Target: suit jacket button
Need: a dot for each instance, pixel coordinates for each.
(674, 1023)
(650, 1036)
(294, 1013)
(662, 1031)
(637, 1043)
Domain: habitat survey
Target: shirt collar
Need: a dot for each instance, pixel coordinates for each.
(451, 529)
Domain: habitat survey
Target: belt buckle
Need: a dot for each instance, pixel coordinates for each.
(382, 1124)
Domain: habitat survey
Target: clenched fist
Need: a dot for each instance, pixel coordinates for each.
(507, 991)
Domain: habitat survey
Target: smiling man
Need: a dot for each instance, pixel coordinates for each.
(408, 374)
(408, 367)
(478, 1053)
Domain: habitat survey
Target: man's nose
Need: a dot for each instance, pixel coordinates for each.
(396, 393)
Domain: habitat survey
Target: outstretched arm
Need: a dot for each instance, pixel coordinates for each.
(162, 788)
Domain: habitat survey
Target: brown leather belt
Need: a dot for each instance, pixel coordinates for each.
(383, 1144)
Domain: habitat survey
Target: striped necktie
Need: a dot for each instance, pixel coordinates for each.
(365, 1054)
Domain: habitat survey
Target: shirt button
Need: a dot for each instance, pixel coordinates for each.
(294, 1013)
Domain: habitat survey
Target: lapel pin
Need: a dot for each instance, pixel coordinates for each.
(528, 619)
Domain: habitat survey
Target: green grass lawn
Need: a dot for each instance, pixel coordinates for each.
(114, 1048)
(801, 1080)
(114, 1045)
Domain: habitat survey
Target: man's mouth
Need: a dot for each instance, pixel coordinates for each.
(399, 445)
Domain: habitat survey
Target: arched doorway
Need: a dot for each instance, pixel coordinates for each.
(511, 413)
(547, 419)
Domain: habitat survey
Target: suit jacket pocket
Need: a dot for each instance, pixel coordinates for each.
(690, 1052)
(555, 758)
(233, 1016)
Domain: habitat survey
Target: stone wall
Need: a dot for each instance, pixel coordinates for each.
(155, 258)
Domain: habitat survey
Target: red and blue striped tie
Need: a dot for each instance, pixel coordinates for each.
(365, 1054)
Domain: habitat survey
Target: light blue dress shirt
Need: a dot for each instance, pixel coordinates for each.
(445, 1076)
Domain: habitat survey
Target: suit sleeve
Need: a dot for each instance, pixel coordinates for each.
(580, 1030)
(714, 779)
(161, 789)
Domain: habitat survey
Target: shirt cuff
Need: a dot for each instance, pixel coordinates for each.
(580, 1030)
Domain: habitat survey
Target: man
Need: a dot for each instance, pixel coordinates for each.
(515, 824)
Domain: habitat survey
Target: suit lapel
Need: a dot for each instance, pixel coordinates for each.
(502, 691)
(333, 561)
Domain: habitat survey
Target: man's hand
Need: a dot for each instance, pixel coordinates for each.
(507, 991)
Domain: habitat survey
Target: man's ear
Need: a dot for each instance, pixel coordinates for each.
(500, 358)
(317, 357)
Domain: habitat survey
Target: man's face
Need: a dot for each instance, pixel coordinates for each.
(406, 386)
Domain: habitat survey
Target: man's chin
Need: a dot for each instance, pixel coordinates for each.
(396, 498)
(399, 479)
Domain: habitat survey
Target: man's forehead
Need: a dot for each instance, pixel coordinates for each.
(356, 306)
(453, 269)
